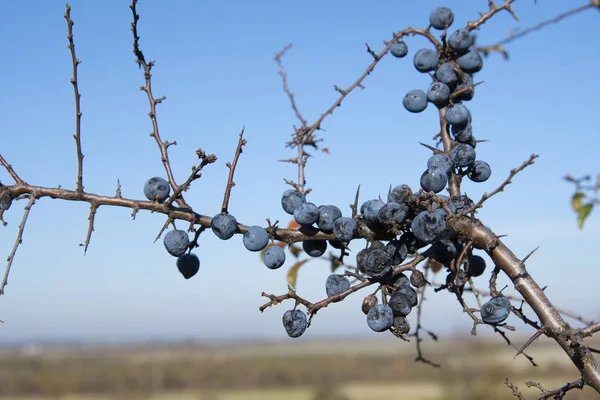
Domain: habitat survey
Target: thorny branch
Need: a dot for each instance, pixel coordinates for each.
(514, 35)
(91, 217)
(18, 241)
(571, 340)
(147, 66)
(230, 183)
(558, 393)
(75, 61)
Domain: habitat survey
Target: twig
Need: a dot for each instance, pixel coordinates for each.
(493, 10)
(18, 241)
(75, 61)
(515, 390)
(285, 85)
(195, 174)
(164, 228)
(558, 393)
(590, 330)
(528, 343)
(512, 36)
(141, 61)
(312, 308)
(417, 335)
(11, 171)
(91, 217)
(230, 182)
(500, 188)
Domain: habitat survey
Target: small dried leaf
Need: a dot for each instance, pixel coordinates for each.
(293, 225)
(292, 274)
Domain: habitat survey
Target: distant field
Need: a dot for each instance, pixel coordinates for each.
(472, 369)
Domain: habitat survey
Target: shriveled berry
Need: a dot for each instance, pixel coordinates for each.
(369, 302)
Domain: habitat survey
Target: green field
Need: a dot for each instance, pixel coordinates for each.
(472, 368)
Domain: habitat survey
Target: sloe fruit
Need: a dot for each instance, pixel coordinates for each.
(188, 265)
(470, 62)
(336, 284)
(457, 114)
(370, 209)
(274, 257)
(400, 304)
(428, 226)
(460, 40)
(400, 194)
(344, 229)
(327, 215)
(256, 238)
(314, 248)
(441, 18)
(480, 171)
(399, 49)
(438, 93)
(157, 189)
(495, 310)
(476, 266)
(415, 101)
(176, 242)
(380, 318)
(446, 73)
(295, 322)
(462, 155)
(426, 60)
(291, 199)
(401, 325)
(306, 214)
(224, 226)
(434, 180)
(441, 161)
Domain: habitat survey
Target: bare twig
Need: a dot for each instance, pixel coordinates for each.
(230, 182)
(312, 308)
(195, 174)
(515, 389)
(590, 330)
(75, 61)
(91, 217)
(147, 66)
(558, 393)
(18, 241)
(285, 85)
(11, 171)
(512, 35)
(500, 188)
(493, 9)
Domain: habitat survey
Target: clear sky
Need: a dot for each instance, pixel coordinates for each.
(214, 62)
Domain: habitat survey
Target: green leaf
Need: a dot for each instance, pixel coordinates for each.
(583, 213)
(292, 274)
(334, 262)
(577, 201)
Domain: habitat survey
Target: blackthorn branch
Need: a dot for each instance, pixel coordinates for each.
(408, 221)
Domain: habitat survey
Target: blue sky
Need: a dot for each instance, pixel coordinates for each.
(214, 62)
